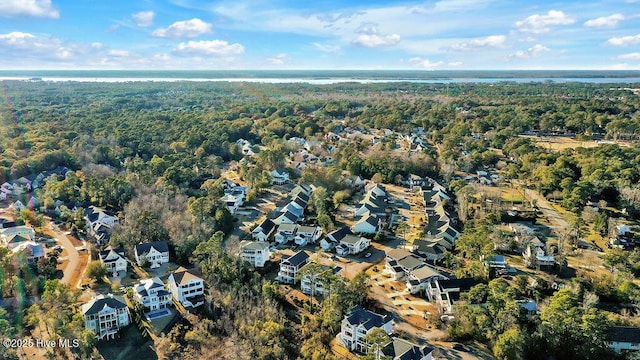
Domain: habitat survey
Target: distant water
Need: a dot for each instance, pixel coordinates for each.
(324, 76)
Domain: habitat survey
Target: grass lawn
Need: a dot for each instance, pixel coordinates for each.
(130, 345)
(511, 195)
(160, 324)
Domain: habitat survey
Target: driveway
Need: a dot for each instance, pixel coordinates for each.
(557, 221)
(72, 253)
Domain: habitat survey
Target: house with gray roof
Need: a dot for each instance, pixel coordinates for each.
(157, 253)
(289, 267)
(152, 294)
(358, 323)
(255, 252)
(401, 349)
(114, 260)
(106, 315)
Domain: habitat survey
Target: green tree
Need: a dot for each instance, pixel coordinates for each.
(377, 339)
(510, 345)
(96, 270)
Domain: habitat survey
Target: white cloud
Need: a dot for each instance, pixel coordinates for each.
(455, 63)
(31, 8)
(279, 59)
(327, 48)
(211, 47)
(20, 47)
(605, 21)
(143, 18)
(631, 56)
(624, 41)
(16, 38)
(539, 24)
(184, 29)
(373, 40)
(425, 63)
(489, 41)
(97, 45)
(531, 52)
(119, 53)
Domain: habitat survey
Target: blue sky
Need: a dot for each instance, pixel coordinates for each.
(320, 34)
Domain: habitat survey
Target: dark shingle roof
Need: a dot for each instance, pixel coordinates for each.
(339, 234)
(297, 259)
(368, 319)
(98, 303)
(105, 253)
(626, 334)
(463, 284)
(160, 246)
(267, 225)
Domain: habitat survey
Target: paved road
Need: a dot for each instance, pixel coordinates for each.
(558, 223)
(72, 253)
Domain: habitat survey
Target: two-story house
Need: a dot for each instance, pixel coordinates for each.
(352, 244)
(152, 294)
(423, 278)
(307, 234)
(114, 260)
(317, 282)
(186, 287)
(285, 233)
(106, 315)
(263, 231)
(255, 252)
(156, 253)
(447, 292)
(358, 323)
(289, 267)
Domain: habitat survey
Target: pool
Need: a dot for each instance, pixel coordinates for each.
(157, 314)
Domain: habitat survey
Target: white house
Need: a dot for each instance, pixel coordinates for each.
(257, 253)
(105, 315)
(535, 257)
(99, 224)
(358, 323)
(114, 260)
(624, 338)
(367, 224)
(334, 238)
(152, 294)
(447, 292)
(289, 267)
(400, 349)
(157, 253)
(14, 236)
(422, 279)
(286, 217)
(32, 252)
(352, 244)
(307, 234)
(317, 283)
(285, 233)
(186, 287)
(279, 177)
(263, 231)
(232, 202)
(95, 214)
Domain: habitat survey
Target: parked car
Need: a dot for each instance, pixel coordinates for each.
(367, 255)
(57, 248)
